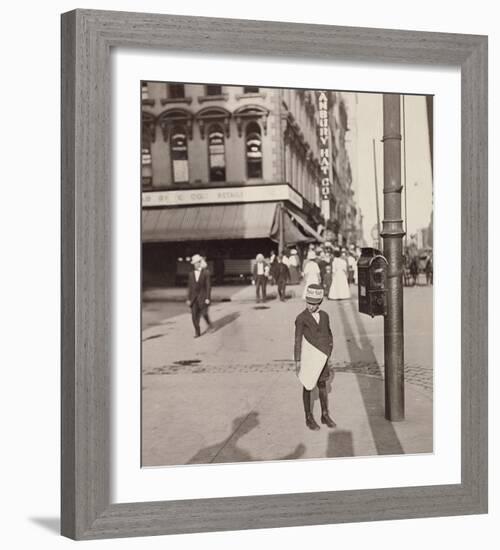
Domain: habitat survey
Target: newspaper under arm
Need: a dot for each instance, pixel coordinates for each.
(312, 361)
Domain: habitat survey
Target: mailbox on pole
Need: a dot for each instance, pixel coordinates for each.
(372, 282)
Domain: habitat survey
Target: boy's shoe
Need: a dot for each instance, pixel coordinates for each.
(325, 419)
(311, 423)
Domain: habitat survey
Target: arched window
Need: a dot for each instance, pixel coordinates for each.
(179, 154)
(253, 144)
(216, 153)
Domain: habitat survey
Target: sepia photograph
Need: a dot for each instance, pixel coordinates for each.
(287, 273)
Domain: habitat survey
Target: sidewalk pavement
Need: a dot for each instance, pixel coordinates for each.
(232, 395)
(226, 293)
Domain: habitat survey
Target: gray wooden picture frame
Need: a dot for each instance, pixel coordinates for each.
(87, 39)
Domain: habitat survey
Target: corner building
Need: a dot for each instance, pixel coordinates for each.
(228, 172)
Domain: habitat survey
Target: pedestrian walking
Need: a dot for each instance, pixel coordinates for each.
(327, 279)
(429, 270)
(199, 288)
(312, 273)
(313, 348)
(328, 256)
(351, 264)
(322, 262)
(293, 266)
(260, 278)
(339, 290)
(273, 262)
(282, 276)
(414, 270)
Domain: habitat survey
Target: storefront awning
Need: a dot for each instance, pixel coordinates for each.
(203, 223)
(306, 227)
(291, 233)
(224, 222)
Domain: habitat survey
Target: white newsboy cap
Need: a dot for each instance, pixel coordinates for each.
(314, 294)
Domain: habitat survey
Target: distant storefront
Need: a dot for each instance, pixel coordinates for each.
(229, 226)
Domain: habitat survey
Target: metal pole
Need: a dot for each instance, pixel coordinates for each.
(376, 191)
(281, 245)
(430, 126)
(392, 233)
(404, 178)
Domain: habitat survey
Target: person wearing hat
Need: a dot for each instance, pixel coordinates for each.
(351, 264)
(293, 266)
(282, 277)
(199, 289)
(313, 343)
(312, 273)
(273, 263)
(260, 278)
(339, 289)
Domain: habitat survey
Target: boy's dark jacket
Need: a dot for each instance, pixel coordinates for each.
(317, 334)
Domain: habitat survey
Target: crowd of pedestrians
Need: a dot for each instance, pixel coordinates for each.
(331, 267)
(414, 265)
(323, 265)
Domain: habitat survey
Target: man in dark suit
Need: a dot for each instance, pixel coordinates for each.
(199, 293)
(282, 276)
(273, 262)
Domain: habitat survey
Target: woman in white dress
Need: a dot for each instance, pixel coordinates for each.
(312, 274)
(340, 287)
(293, 267)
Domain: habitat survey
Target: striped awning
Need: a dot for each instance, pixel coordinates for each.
(208, 222)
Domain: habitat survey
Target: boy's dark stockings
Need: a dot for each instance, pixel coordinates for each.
(323, 399)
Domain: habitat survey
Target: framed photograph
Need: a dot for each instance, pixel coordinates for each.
(274, 274)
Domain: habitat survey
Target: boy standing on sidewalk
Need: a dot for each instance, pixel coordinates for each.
(313, 347)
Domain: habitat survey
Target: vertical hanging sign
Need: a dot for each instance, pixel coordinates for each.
(324, 153)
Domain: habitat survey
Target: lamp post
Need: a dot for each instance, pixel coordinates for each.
(392, 233)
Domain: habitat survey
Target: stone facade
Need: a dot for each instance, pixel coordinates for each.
(285, 120)
(199, 136)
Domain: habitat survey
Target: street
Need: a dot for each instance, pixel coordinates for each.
(232, 394)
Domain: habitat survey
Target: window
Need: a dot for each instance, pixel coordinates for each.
(254, 150)
(144, 90)
(146, 154)
(179, 155)
(146, 165)
(216, 153)
(148, 132)
(175, 91)
(250, 90)
(213, 89)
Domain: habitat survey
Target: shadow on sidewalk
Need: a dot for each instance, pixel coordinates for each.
(220, 323)
(339, 444)
(228, 450)
(384, 436)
